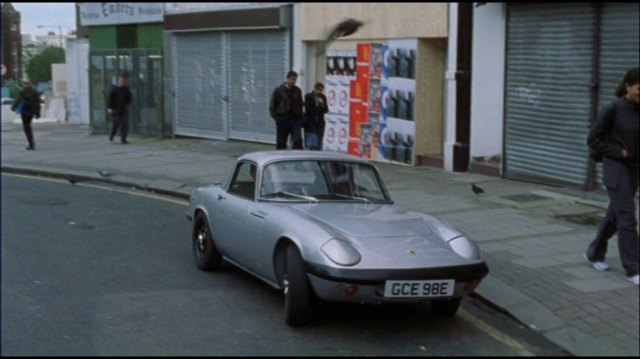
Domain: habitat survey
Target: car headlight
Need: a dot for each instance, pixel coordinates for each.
(460, 244)
(341, 252)
(464, 247)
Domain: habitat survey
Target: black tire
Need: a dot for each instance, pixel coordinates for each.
(298, 295)
(445, 308)
(205, 254)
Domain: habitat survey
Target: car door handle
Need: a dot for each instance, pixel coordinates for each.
(220, 197)
(259, 214)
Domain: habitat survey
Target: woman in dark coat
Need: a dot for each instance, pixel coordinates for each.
(30, 108)
(615, 136)
(315, 106)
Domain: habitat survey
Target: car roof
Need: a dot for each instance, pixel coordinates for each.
(263, 157)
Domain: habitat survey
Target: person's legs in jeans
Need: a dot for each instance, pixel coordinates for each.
(124, 126)
(606, 229)
(321, 135)
(283, 128)
(626, 221)
(26, 126)
(296, 134)
(115, 124)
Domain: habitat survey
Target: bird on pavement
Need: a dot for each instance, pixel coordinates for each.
(476, 189)
(105, 173)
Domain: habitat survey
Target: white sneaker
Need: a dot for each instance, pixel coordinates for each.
(634, 279)
(601, 266)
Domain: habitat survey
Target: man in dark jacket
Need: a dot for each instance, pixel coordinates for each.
(315, 106)
(29, 101)
(117, 106)
(285, 108)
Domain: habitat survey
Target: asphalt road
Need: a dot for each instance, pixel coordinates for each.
(103, 272)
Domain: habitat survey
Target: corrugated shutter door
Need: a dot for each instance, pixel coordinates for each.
(619, 50)
(549, 67)
(200, 84)
(259, 61)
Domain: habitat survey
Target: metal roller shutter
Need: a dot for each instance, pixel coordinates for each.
(619, 50)
(549, 72)
(259, 61)
(200, 84)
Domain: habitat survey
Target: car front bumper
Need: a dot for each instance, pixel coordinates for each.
(367, 286)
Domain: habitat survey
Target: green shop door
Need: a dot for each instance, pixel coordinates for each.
(144, 67)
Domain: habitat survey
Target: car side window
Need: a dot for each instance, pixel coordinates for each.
(297, 177)
(243, 183)
(366, 183)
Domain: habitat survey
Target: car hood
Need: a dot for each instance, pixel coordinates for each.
(387, 236)
(367, 219)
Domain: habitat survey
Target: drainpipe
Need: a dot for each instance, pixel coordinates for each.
(595, 87)
(449, 131)
(461, 148)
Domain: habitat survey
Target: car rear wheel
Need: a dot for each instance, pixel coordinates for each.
(445, 308)
(205, 254)
(298, 295)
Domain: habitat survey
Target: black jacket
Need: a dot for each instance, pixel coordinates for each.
(31, 102)
(615, 129)
(280, 104)
(314, 113)
(119, 98)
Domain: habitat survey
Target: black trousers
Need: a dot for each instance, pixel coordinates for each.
(26, 126)
(622, 184)
(288, 127)
(120, 121)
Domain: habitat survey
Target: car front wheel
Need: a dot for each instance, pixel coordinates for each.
(445, 308)
(205, 254)
(298, 294)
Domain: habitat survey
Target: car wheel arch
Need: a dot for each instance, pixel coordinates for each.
(280, 255)
(200, 210)
(206, 255)
(197, 213)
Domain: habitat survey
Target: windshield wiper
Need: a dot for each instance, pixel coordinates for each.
(283, 194)
(352, 197)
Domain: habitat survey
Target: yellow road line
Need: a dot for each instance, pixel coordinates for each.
(498, 335)
(133, 192)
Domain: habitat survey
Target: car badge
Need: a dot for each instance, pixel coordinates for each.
(411, 252)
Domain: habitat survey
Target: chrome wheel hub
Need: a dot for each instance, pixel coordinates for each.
(201, 242)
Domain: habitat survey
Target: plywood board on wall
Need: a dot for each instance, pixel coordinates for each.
(430, 96)
(381, 20)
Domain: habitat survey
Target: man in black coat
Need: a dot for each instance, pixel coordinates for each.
(315, 104)
(29, 103)
(117, 106)
(285, 108)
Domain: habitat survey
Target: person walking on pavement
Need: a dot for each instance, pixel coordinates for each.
(285, 107)
(117, 106)
(615, 136)
(315, 106)
(29, 103)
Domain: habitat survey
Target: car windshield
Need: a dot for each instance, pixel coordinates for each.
(308, 180)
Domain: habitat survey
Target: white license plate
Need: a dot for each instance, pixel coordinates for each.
(419, 288)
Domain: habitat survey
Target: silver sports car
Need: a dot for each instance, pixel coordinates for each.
(322, 225)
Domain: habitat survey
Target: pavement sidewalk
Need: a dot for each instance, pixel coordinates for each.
(533, 236)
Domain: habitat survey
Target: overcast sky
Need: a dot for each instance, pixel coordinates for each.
(51, 15)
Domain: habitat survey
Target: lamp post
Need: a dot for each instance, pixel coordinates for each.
(59, 31)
